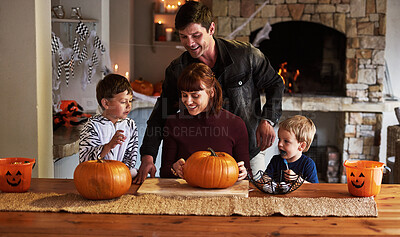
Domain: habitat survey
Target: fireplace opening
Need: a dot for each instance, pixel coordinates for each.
(311, 55)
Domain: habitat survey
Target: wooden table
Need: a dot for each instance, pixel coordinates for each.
(67, 224)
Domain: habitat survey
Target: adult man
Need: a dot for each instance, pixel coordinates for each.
(242, 71)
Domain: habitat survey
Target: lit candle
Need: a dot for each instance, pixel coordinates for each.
(168, 33)
(127, 75)
(162, 6)
(169, 8)
(116, 68)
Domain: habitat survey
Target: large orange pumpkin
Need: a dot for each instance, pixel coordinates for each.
(209, 169)
(142, 86)
(102, 179)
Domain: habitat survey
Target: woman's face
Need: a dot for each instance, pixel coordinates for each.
(195, 101)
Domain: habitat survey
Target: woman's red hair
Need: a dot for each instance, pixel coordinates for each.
(198, 76)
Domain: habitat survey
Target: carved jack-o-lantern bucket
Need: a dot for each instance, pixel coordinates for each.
(364, 177)
(15, 174)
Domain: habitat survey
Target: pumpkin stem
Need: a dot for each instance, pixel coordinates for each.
(100, 160)
(212, 151)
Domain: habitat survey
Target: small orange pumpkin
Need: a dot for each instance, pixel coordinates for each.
(209, 169)
(102, 179)
(158, 87)
(15, 174)
(142, 86)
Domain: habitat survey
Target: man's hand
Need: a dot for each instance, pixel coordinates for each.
(146, 167)
(265, 135)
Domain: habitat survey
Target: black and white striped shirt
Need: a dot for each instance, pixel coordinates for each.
(99, 131)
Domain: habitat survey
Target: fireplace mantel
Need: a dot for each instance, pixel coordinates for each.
(334, 104)
(313, 103)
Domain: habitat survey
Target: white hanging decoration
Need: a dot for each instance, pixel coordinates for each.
(262, 34)
(239, 28)
(82, 30)
(63, 59)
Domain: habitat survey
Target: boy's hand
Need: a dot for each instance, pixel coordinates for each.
(242, 171)
(117, 139)
(290, 175)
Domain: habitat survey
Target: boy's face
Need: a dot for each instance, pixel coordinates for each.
(196, 39)
(289, 148)
(118, 107)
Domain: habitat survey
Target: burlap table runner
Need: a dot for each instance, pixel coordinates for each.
(218, 206)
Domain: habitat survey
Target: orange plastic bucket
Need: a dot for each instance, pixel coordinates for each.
(15, 174)
(364, 178)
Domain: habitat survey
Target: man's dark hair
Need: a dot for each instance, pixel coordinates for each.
(193, 12)
(111, 85)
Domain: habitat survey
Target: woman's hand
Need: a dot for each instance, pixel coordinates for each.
(242, 171)
(178, 167)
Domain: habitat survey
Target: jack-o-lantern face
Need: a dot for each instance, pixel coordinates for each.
(13, 180)
(357, 182)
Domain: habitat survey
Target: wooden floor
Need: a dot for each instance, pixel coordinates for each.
(67, 224)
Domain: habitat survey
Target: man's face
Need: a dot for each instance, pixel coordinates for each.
(196, 39)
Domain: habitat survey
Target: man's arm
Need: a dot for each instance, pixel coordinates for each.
(151, 141)
(166, 104)
(267, 79)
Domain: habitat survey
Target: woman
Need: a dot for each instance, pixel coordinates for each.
(202, 123)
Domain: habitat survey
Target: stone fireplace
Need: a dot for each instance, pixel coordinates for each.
(356, 102)
(310, 56)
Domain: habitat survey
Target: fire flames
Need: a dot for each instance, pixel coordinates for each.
(289, 78)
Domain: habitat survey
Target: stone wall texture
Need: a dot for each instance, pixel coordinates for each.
(363, 22)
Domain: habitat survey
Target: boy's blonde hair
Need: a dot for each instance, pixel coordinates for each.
(303, 129)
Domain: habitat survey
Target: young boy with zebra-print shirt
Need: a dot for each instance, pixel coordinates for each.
(111, 135)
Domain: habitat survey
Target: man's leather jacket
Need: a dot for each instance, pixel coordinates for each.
(243, 72)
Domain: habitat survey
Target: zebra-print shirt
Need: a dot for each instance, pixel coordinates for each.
(98, 131)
